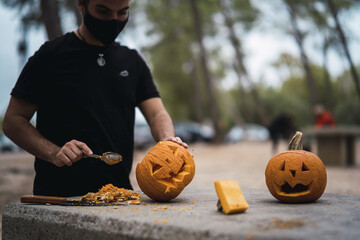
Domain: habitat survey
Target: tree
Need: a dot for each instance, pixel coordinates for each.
(320, 20)
(334, 13)
(247, 15)
(210, 85)
(71, 5)
(323, 14)
(173, 58)
(51, 19)
(299, 38)
(38, 12)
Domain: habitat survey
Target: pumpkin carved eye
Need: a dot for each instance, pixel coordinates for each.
(304, 168)
(165, 171)
(296, 175)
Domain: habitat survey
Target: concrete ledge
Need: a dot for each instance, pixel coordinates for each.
(192, 216)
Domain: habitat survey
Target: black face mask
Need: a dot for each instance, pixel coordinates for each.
(104, 31)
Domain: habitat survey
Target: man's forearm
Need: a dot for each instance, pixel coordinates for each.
(162, 126)
(21, 132)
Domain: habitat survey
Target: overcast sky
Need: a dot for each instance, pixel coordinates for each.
(262, 48)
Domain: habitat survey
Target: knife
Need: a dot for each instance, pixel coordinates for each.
(37, 199)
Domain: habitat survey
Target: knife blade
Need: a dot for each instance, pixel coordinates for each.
(37, 199)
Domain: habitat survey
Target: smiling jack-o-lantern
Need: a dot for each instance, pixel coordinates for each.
(296, 175)
(165, 171)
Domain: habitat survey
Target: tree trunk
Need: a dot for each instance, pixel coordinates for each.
(51, 18)
(246, 111)
(304, 59)
(199, 115)
(214, 108)
(340, 31)
(241, 68)
(231, 107)
(74, 8)
(328, 87)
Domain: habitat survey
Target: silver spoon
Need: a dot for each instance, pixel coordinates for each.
(110, 158)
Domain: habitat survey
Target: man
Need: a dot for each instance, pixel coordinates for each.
(84, 88)
(281, 127)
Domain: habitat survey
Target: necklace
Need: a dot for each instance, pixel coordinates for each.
(100, 60)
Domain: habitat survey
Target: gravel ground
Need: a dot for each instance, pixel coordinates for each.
(244, 162)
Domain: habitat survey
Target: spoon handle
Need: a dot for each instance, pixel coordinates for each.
(94, 156)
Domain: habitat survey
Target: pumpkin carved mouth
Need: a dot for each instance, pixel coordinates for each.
(170, 179)
(298, 190)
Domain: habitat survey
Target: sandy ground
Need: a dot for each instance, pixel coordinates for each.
(244, 162)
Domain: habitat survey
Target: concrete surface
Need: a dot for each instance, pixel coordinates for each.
(192, 215)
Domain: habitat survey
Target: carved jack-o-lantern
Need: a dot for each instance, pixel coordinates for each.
(165, 171)
(296, 175)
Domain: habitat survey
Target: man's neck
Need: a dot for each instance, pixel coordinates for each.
(86, 36)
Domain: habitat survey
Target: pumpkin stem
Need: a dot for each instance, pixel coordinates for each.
(296, 142)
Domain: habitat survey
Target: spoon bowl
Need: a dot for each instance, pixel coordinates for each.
(110, 158)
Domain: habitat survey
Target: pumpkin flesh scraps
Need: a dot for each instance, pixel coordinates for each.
(111, 194)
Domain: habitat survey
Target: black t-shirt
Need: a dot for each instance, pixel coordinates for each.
(78, 99)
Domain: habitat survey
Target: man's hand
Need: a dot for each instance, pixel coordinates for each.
(176, 140)
(70, 153)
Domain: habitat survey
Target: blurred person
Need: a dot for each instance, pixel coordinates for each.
(323, 118)
(281, 127)
(84, 87)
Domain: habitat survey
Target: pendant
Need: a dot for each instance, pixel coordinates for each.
(101, 60)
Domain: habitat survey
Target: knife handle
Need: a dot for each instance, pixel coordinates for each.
(42, 199)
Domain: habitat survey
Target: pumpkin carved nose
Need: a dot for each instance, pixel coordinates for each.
(293, 172)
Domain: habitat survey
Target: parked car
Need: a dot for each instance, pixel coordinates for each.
(248, 132)
(188, 131)
(6, 145)
(142, 136)
(191, 132)
(236, 134)
(142, 133)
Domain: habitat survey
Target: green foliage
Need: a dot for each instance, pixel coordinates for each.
(244, 13)
(172, 55)
(292, 98)
(346, 110)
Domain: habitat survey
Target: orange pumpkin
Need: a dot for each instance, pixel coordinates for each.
(165, 171)
(296, 175)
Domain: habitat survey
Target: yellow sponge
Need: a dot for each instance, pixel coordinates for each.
(231, 198)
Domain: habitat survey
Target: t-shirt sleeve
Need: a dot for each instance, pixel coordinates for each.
(146, 87)
(30, 85)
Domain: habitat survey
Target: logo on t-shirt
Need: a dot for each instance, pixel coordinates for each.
(124, 73)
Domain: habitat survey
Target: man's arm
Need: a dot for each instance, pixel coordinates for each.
(17, 127)
(161, 125)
